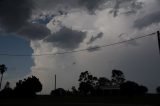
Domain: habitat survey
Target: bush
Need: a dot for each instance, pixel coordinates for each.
(158, 90)
(132, 88)
(28, 87)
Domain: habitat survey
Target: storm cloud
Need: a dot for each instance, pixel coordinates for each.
(14, 14)
(34, 31)
(149, 19)
(66, 38)
(98, 36)
(15, 18)
(130, 6)
(17, 14)
(92, 5)
(93, 48)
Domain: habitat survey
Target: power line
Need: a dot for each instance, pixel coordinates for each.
(81, 50)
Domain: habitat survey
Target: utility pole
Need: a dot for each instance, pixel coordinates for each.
(158, 35)
(55, 82)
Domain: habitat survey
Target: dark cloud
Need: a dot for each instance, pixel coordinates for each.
(157, 1)
(92, 5)
(55, 5)
(93, 48)
(92, 39)
(34, 31)
(153, 18)
(130, 6)
(66, 38)
(14, 14)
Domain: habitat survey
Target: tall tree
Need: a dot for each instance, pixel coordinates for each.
(28, 87)
(103, 83)
(3, 69)
(87, 82)
(158, 89)
(132, 88)
(117, 77)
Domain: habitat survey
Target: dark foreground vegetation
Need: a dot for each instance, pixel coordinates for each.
(116, 90)
(146, 100)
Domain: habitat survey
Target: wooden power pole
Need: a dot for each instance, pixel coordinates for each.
(55, 82)
(158, 36)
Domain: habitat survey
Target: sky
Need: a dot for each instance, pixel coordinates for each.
(32, 29)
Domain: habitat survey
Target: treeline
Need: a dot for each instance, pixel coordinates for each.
(89, 85)
(24, 88)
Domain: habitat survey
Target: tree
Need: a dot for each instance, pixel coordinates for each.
(74, 90)
(7, 91)
(102, 86)
(58, 92)
(7, 85)
(129, 88)
(158, 89)
(87, 83)
(117, 77)
(142, 89)
(3, 69)
(103, 82)
(28, 87)
(132, 88)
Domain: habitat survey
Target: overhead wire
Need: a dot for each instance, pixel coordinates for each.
(80, 50)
